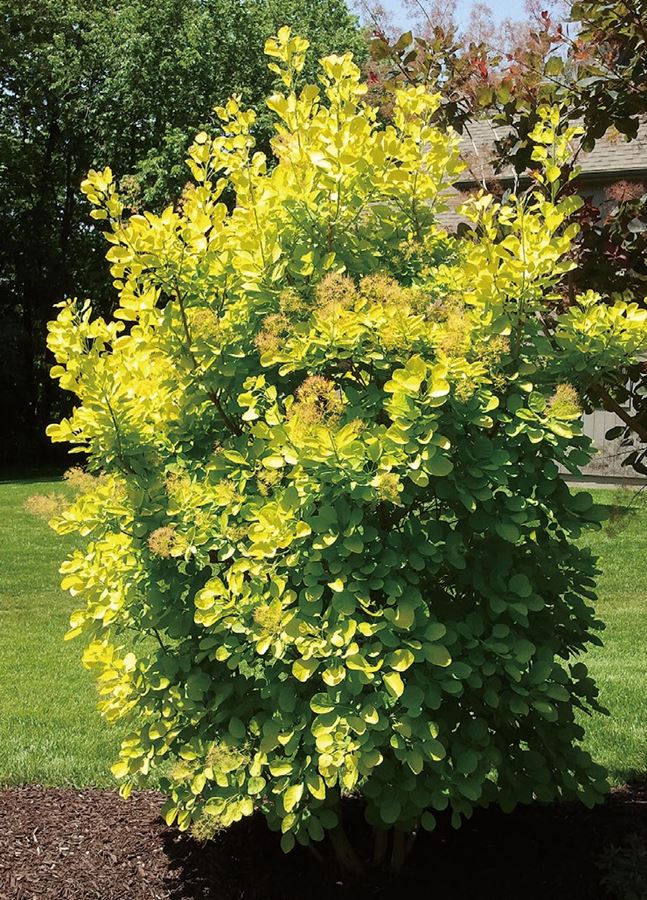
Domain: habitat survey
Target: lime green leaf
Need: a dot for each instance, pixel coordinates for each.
(439, 466)
(394, 683)
(273, 462)
(354, 543)
(315, 785)
(400, 660)
(302, 669)
(292, 796)
(438, 655)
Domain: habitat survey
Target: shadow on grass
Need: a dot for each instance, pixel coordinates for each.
(28, 475)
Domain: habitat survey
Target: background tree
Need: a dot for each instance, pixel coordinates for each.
(128, 81)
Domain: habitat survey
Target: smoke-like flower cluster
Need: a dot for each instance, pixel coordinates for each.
(565, 403)
(164, 542)
(318, 402)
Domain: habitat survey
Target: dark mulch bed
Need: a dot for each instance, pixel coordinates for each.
(66, 844)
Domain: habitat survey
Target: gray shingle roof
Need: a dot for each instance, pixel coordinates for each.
(612, 157)
(615, 154)
(612, 154)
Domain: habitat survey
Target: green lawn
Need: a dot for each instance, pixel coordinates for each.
(619, 741)
(51, 734)
(50, 731)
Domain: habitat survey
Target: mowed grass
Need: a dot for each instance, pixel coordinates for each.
(51, 733)
(619, 741)
(50, 730)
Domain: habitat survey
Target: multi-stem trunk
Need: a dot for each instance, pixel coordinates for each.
(345, 854)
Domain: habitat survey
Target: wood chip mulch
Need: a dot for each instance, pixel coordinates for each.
(67, 844)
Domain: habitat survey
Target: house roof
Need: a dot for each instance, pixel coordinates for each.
(612, 154)
(612, 157)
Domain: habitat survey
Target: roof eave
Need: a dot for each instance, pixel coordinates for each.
(598, 175)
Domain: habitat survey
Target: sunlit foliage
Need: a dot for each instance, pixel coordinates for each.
(330, 551)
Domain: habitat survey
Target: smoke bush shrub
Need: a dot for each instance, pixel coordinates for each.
(330, 551)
